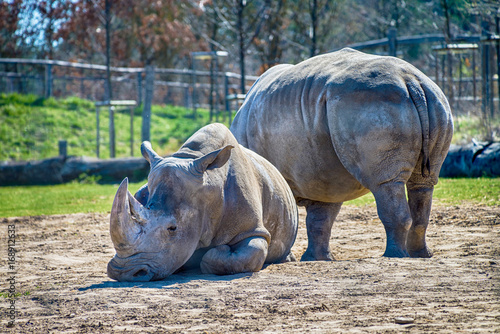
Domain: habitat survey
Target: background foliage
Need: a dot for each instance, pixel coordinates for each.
(263, 32)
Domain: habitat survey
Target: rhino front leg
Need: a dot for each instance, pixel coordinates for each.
(420, 201)
(319, 222)
(248, 255)
(394, 212)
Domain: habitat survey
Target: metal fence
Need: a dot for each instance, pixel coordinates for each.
(183, 87)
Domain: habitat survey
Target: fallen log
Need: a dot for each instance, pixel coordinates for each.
(65, 169)
(473, 160)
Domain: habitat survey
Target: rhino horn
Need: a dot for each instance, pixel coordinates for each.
(149, 154)
(125, 213)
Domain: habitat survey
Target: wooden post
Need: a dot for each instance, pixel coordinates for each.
(497, 24)
(226, 93)
(48, 80)
(131, 131)
(393, 41)
(139, 88)
(186, 96)
(98, 137)
(211, 95)
(451, 95)
(193, 86)
(112, 131)
(474, 75)
(437, 69)
(148, 100)
(63, 148)
(82, 86)
(485, 78)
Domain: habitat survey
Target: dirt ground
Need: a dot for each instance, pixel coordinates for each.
(61, 276)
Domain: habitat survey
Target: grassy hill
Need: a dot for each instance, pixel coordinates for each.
(31, 126)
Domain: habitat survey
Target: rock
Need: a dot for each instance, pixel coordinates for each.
(404, 320)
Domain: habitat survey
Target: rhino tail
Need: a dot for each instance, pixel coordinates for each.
(417, 95)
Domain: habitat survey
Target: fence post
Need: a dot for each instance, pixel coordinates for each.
(474, 75)
(111, 131)
(193, 86)
(98, 137)
(393, 41)
(131, 131)
(48, 80)
(63, 148)
(139, 88)
(148, 100)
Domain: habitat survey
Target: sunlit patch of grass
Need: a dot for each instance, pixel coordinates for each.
(481, 190)
(59, 199)
(454, 191)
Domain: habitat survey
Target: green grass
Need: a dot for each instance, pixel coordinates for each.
(59, 199)
(76, 197)
(31, 126)
(455, 191)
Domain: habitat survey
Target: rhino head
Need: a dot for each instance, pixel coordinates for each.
(154, 238)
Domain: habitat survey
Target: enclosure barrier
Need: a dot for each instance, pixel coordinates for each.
(190, 88)
(112, 141)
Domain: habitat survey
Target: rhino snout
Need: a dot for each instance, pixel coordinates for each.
(137, 273)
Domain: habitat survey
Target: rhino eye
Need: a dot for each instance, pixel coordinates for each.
(172, 228)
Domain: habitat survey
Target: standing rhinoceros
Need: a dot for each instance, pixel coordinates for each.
(345, 123)
(214, 203)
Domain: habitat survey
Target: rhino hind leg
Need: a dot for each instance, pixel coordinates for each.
(394, 212)
(420, 200)
(319, 222)
(247, 255)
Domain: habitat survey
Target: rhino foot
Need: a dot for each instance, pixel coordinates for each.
(396, 252)
(423, 253)
(310, 256)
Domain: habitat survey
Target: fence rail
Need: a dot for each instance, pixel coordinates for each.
(188, 87)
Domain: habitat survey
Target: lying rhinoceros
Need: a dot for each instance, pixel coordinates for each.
(345, 123)
(213, 203)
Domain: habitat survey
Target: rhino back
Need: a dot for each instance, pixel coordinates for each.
(318, 119)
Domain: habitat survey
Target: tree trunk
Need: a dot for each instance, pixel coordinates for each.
(109, 94)
(313, 7)
(148, 101)
(241, 37)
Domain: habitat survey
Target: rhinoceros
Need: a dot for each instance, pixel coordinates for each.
(212, 204)
(345, 123)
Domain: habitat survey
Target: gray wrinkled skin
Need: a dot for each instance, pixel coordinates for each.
(345, 123)
(213, 204)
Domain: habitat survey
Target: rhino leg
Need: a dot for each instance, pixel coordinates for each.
(394, 212)
(247, 255)
(319, 222)
(420, 201)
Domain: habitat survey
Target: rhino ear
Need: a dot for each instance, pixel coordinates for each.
(212, 160)
(149, 154)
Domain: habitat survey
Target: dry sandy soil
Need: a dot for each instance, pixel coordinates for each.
(61, 274)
